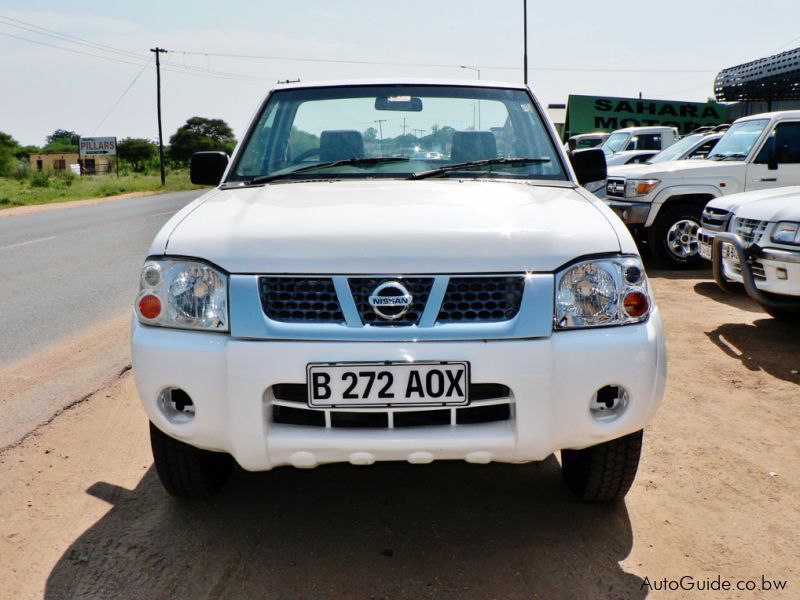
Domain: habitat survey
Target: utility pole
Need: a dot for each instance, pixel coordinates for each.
(158, 52)
(479, 102)
(525, 41)
(380, 123)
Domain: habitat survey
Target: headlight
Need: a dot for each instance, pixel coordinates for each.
(595, 186)
(183, 293)
(594, 293)
(786, 232)
(639, 187)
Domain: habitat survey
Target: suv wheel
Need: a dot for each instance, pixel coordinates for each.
(604, 472)
(673, 237)
(187, 472)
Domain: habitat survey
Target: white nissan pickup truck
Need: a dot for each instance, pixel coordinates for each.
(663, 203)
(335, 298)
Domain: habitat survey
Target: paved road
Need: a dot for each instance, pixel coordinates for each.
(62, 271)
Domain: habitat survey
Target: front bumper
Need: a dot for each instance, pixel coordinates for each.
(770, 275)
(551, 380)
(631, 213)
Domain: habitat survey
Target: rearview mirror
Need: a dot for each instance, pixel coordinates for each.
(207, 168)
(589, 165)
(405, 103)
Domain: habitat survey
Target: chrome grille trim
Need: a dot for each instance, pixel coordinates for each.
(534, 319)
(615, 187)
(750, 230)
(715, 219)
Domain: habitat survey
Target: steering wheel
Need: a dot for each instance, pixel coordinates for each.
(304, 155)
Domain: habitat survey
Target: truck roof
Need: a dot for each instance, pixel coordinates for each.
(399, 81)
(644, 129)
(778, 114)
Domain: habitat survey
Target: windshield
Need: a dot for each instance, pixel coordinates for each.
(677, 149)
(738, 140)
(396, 131)
(615, 143)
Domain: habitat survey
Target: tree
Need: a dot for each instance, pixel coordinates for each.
(136, 152)
(8, 147)
(64, 134)
(62, 140)
(201, 134)
(370, 134)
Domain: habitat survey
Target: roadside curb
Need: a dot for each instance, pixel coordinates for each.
(19, 211)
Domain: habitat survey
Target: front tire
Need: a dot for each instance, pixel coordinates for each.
(605, 472)
(187, 472)
(673, 236)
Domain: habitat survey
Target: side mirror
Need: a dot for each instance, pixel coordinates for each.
(589, 165)
(207, 168)
(772, 160)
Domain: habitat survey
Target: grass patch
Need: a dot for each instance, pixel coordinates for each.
(45, 188)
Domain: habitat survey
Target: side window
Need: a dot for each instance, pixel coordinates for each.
(649, 141)
(785, 140)
(787, 143)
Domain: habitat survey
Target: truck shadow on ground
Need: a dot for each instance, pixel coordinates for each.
(739, 300)
(766, 345)
(391, 530)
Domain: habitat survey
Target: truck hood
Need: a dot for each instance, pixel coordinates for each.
(783, 206)
(784, 196)
(678, 169)
(390, 226)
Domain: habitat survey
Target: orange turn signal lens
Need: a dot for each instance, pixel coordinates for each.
(636, 304)
(149, 306)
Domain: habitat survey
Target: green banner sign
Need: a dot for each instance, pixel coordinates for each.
(586, 114)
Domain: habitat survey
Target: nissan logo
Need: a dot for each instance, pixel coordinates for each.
(390, 300)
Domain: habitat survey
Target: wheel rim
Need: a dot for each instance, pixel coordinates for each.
(682, 238)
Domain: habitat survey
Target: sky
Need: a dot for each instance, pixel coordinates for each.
(105, 83)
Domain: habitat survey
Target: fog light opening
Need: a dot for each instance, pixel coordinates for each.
(609, 402)
(176, 405)
(782, 273)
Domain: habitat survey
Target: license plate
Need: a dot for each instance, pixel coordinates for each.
(388, 384)
(705, 251)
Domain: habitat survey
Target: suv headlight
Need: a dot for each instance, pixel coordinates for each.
(786, 232)
(186, 294)
(602, 292)
(635, 188)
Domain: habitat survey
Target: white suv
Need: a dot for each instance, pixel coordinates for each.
(338, 298)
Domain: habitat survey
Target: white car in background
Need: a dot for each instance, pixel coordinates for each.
(367, 307)
(753, 239)
(630, 157)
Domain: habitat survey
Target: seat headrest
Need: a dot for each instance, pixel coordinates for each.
(473, 145)
(340, 145)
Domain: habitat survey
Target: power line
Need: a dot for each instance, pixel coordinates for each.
(71, 39)
(127, 89)
(431, 65)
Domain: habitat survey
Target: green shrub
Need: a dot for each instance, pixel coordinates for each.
(40, 179)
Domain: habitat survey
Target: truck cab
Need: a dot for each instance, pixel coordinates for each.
(662, 203)
(640, 138)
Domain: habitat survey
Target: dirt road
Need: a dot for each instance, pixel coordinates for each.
(83, 515)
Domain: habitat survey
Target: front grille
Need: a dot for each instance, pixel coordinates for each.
(489, 403)
(715, 219)
(363, 287)
(756, 266)
(483, 299)
(750, 230)
(616, 188)
(300, 299)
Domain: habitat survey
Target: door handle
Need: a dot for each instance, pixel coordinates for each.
(768, 179)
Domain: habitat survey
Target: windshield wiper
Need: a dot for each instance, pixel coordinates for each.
(355, 162)
(513, 162)
(733, 155)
